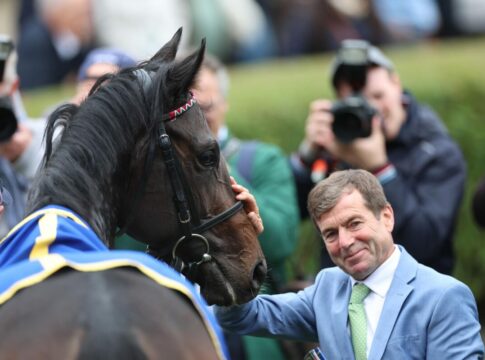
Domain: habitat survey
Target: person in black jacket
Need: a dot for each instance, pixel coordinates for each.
(420, 167)
(478, 203)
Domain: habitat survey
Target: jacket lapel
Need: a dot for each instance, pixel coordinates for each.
(397, 294)
(340, 315)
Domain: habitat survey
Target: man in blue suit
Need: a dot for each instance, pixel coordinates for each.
(407, 311)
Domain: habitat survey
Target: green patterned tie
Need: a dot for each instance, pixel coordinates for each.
(358, 322)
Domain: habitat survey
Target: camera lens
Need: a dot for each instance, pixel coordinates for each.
(352, 118)
(348, 127)
(8, 120)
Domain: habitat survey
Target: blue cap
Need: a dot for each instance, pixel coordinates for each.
(105, 56)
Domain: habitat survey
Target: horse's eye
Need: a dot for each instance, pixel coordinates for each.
(208, 158)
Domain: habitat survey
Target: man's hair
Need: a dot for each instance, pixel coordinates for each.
(328, 192)
(216, 67)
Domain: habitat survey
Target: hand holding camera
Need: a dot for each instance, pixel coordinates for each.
(350, 128)
(318, 130)
(366, 151)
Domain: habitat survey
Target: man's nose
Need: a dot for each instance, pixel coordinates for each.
(345, 237)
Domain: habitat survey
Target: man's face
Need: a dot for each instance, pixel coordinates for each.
(383, 91)
(356, 240)
(93, 73)
(211, 100)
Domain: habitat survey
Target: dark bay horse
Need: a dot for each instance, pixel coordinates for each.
(136, 156)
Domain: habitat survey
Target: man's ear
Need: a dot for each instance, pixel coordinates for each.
(396, 80)
(387, 216)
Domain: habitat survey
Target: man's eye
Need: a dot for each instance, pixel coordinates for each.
(329, 237)
(354, 224)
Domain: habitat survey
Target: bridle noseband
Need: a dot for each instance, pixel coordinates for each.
(192, 226)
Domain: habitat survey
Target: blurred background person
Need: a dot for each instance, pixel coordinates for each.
(309, 26)
(56, 35)
(140, 28)
(264, 170)
(21, 146)
(478, 203)
(408, 20)
(379, 127)
(54, 38)
(236, 30)
(99, 62)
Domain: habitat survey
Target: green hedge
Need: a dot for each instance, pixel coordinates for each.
(269, 101)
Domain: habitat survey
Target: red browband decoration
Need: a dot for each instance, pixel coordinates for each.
(172, 115)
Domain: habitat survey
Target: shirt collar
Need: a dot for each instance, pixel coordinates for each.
(380, 280)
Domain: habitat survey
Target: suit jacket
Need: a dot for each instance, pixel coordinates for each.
(426, 315)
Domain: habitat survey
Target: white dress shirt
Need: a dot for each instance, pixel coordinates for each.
(379, 283)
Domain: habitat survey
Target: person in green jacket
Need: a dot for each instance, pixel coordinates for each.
(264, 170)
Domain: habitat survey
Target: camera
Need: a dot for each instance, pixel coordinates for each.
(353, 114)
(8, 120)
(352, 118)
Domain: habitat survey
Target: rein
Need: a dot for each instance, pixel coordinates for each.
(188, 218)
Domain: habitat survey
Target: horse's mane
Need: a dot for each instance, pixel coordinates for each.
(87, 163)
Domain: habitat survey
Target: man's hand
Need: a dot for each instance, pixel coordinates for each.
(13, 148)
(364, 153)
(318, 130)
(250, 205)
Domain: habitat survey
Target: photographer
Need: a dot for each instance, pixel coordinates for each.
(20, 139)
(378, 127)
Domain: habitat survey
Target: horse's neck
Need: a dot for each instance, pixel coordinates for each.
(91, 198)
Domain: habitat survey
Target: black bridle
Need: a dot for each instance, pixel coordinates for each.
(188, 218)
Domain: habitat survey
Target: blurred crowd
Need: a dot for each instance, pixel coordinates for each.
(54, 36)
(399, 140)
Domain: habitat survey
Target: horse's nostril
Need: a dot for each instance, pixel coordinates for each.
(259, 274)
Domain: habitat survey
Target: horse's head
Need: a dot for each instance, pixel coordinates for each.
(138, 155)
(179, 200)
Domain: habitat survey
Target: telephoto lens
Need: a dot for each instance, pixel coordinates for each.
(352, 118)
(8, 120)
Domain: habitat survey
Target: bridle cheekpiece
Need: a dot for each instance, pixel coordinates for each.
(190, 223)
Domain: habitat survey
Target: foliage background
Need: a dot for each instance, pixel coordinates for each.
(269, 101)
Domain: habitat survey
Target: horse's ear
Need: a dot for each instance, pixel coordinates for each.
(183, 73)
(169, 50)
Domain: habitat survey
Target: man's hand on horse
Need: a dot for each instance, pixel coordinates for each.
(250, 205)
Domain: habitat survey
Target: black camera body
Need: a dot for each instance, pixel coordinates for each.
(8, 120)
(352, 118)
(353, 114)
